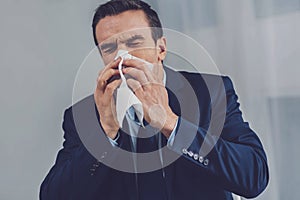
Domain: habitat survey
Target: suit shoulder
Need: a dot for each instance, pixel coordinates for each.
(191, 75)
(81, 105)
(86, 100)
(211, 79)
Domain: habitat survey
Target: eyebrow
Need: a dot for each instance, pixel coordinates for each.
(107, 45)
(129, 40)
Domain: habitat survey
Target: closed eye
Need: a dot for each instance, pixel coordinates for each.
(108, 47)
(135, 41)
(133, 44)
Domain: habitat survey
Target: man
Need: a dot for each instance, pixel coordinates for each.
(200, 163)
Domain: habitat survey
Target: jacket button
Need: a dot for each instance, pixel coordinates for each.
(92, 170)
(103, 155)
(190, 153)
(196, 156)
(96, 165)
(201, 159)
(206, 161)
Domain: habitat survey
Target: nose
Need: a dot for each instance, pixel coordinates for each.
(121, 49)
(122, 46)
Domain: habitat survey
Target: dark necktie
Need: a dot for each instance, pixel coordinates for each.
(151, 185)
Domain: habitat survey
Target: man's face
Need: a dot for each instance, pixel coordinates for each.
(128, 31)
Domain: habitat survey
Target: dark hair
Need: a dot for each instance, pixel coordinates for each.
(115, 7)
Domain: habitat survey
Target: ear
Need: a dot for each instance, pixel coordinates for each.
(161, 48)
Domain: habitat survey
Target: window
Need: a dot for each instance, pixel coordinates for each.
(191, 14)
(267, 8)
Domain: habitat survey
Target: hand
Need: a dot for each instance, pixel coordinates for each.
(104, 99)
(148, 87)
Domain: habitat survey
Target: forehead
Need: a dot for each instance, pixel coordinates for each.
(122, 25)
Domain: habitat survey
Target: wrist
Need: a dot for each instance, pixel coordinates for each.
(169, 125)
(112, 134)
(110, 130)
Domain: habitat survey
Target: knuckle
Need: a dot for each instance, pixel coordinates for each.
(109, 87)
(99, 79)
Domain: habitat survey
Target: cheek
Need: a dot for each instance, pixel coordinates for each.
(148, 54)
(108, 59)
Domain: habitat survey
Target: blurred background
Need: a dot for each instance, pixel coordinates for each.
(43, 43)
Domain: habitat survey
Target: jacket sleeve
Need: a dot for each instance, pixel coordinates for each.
(75, 168)
(236, 161)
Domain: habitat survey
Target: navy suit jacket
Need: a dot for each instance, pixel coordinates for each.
(220, 159)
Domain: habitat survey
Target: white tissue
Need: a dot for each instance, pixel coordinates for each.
(125, 97)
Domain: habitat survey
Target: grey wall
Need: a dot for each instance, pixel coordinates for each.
(42, 45)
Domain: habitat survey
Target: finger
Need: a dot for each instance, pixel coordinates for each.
(158, 73)
(103, 78)
(141, 66)
(110, 88)
(113, 64)
(135, 86)
(137, 74)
